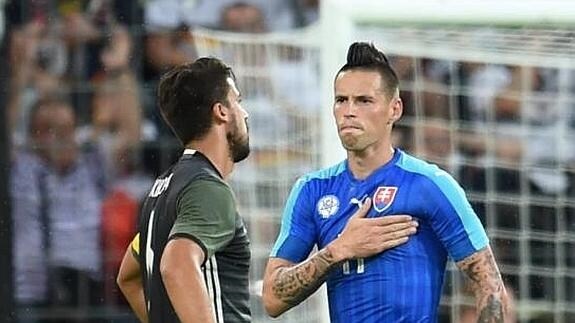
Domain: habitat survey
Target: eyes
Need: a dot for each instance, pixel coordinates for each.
(361, 100)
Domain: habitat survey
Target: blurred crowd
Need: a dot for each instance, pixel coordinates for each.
(86, 138)
(507, 133)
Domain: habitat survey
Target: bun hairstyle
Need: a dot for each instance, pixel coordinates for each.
(365, 56)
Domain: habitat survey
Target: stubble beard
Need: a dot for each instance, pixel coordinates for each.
(239, 146)
(350, 143)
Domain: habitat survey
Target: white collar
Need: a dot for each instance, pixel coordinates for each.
(189, 151)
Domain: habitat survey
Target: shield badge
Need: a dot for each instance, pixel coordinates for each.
(383, 197)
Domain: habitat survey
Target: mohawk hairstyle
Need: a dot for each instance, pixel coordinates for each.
(362, 54)
(365, 56)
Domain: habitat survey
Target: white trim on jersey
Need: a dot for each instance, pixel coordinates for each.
(219, 307)
(189, 151)
(212, 281)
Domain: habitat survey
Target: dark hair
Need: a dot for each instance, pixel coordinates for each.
(365, 56)
(187, 93)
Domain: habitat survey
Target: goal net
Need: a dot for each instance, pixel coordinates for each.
(488, 90)
(278, 75)
(489, 95)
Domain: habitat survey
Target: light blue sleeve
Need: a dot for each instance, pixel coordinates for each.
(452, 217)
(298, 231)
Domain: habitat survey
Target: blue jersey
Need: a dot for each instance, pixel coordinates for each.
(402, 284)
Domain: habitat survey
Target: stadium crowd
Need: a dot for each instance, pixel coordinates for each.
(87, 140)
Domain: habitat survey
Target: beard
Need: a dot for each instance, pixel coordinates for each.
(238, 145)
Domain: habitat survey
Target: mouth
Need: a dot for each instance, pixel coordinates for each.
(349, 128)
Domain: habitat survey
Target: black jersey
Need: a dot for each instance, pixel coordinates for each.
(191, 200)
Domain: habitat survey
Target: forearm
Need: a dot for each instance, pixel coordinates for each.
(188, 295)
(487, 285)
(182, 275)
(490, 306)
(135, 296)
(130, 282)
(289, 285)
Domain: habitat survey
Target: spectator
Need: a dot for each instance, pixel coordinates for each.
(242, 17)
(278, 14)
(168, 40)
(117, 128)
(434, 142)
(116, 109)
(37, 61)
(435, 94)
(56, 190)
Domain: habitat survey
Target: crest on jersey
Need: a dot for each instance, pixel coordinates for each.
(383, 197)
(327, 206)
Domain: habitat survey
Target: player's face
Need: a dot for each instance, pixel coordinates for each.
(364, 114)
(238, 137)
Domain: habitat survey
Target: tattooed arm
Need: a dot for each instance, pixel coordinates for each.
(286, 284)
(485, 281)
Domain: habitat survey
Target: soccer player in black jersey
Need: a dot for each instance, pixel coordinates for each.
(189, 261)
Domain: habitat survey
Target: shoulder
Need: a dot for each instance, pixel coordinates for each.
(427, 173)
(327, 173)
(196, 167)
(416, 165)
(207, 184)
(207, 191)
(25, 155)
(25, 169)
(192, 173)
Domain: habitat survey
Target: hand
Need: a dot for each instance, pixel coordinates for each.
(363, 237)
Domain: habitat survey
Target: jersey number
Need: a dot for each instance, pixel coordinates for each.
(360, 267)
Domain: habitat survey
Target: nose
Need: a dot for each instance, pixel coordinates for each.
(349, 110)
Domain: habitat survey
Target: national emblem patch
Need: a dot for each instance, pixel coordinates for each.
(383, 197)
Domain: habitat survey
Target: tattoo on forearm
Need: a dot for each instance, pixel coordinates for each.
(491, 312)
(486, 284)
(293, 284)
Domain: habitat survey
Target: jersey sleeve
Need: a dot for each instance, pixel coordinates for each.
(452, 217)
(135, 245)
(298, 231)
(206, 214)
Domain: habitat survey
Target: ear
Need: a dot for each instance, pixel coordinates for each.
(220, 112)
(396, 109)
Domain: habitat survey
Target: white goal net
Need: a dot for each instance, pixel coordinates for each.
(278, 75)
(489, 95)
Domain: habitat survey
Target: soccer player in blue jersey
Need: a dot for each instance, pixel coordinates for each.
(378, 271)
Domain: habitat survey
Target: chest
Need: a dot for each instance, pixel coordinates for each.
(239, 247)
(336, 203)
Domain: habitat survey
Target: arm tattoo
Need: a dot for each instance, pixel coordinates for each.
(294, 284)
(486, 284)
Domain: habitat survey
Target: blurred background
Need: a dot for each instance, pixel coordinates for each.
(490, 101)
